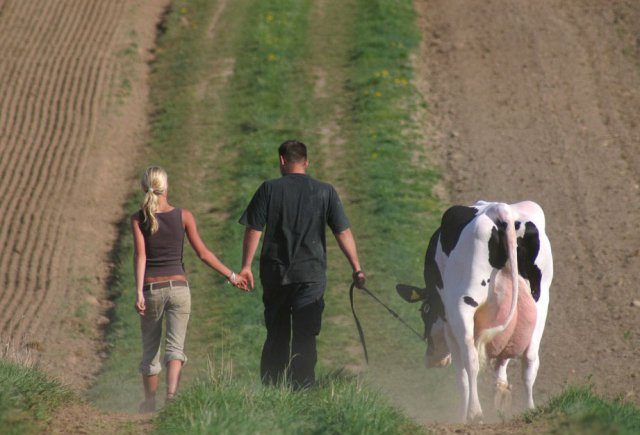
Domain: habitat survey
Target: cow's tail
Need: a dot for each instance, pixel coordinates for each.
(504, 216)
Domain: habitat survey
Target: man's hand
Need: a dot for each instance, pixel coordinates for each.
(359, 278)
(348, 246)
(247, 275)
(140, 305)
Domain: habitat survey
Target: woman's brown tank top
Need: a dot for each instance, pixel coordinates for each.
(164, 247)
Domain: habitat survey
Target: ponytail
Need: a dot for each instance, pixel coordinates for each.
(154, 183)
(149, 209)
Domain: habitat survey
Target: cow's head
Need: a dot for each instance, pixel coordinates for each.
(432, 312)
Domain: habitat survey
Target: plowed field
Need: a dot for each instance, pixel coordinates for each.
(70, 71)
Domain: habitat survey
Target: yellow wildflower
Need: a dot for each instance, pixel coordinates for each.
(271, 57)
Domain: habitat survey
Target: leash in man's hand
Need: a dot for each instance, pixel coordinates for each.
(360, 284)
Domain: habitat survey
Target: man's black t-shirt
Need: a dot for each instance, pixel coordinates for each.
(295, 209)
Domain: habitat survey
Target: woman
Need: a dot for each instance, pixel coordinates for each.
(161, 284)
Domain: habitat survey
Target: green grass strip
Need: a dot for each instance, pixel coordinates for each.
(27, 398)
(578, 410)
(394, 182)
(338, 405)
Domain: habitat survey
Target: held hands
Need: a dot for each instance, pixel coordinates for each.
(240, 281)
(247, 275)
(359, 278)
(140, 305)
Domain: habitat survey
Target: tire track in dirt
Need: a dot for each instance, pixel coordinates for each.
(540, 101)
(65, 168)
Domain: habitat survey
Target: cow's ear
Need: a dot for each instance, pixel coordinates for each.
(410, 293)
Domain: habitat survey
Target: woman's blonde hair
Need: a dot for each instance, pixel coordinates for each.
(154, 183)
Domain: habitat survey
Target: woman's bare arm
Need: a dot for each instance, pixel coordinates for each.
(202, 251)
(139, 262)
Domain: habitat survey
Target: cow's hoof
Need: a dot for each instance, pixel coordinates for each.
(476, 418)
(502, 398)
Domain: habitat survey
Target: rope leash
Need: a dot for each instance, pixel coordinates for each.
(359, 326)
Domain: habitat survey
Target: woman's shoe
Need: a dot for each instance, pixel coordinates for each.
(147, 406)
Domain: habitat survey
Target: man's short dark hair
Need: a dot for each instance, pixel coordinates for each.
(293, 151)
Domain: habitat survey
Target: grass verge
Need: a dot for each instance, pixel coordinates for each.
(339, 404)
(28, 398)
(578, 410)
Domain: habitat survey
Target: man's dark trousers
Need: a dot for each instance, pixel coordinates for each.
(291, 308)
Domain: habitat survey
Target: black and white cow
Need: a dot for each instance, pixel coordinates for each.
(487, 272)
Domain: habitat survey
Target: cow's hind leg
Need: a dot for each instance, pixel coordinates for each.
(531, 363)
(502, 397)
(530, 359)
(462, 329)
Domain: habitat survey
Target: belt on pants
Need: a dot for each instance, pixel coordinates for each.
(164, 284)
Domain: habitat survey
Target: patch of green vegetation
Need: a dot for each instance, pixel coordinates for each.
(340, 404)
(130, 50)
(81, 311)
(578, 410)
(125, 87)
(27, 398)
(396, 198)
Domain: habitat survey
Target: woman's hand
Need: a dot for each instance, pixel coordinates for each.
(140, 306)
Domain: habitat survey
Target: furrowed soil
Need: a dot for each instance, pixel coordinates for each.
(72, 116)
(539, 101)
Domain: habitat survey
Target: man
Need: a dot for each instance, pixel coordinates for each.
(295, 209)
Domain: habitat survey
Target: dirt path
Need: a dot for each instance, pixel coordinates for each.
(85, 419)
(540, 100)
(72, 114)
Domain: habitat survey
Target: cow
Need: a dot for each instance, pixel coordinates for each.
(487, 272)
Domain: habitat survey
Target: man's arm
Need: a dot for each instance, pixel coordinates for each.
(249, 246)
(348, 246)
